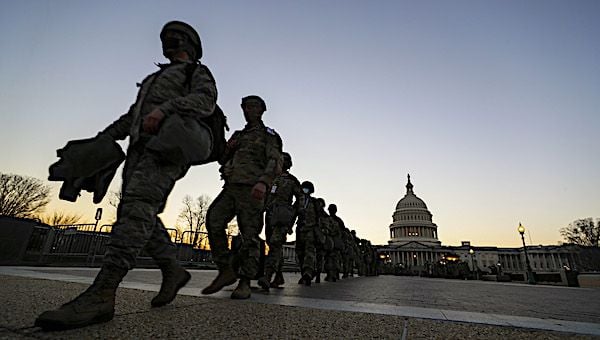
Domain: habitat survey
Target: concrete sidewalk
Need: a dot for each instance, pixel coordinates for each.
(351, 308)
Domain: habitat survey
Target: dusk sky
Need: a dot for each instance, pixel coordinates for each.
(493, 107)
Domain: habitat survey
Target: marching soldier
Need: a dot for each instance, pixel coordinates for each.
(251, 162)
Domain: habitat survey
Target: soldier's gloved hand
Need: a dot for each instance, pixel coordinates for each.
(258, 191)
(152, 121)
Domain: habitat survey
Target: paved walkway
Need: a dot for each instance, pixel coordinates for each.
(359, 307)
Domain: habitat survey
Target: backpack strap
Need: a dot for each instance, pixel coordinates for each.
(190, 68)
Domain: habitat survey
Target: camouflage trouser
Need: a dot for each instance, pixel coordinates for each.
(305, 249)
(235, 200)
(147, 181)
(276, 237)
(320, 256)
(348, 260)
(332, 262)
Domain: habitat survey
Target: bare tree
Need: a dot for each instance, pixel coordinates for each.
(193, 215)
(22, 196)
(60, 218)
(583, 232)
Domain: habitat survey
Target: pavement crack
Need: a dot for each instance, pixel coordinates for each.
(405, 330)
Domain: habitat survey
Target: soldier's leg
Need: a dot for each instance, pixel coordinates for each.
(250, 221)
(300, 246)
(147, 183)
(275, 242)
(164, 253)
(319, 263)
(279, 280)
(144, 196)
(278, 239)
(308, 266)
(221, 211)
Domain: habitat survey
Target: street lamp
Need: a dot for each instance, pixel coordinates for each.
(530, 278)
(473, 272)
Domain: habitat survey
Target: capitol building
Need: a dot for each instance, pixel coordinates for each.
(414, 245)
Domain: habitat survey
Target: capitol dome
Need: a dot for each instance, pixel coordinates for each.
(412, 221)
(410, 200)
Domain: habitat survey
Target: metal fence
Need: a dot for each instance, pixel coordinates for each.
(85, 244)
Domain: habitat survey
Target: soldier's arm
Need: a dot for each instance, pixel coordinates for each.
(274, 157)
(299, 198)
(201, 100)
(341, 223)
(119, 129)
(230, 148)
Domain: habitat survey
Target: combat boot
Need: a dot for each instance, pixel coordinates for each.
(174, 277)
(225, 277)
(95, 305)
(242, 291)
(306, 278)
(278, 280)
(264, 282)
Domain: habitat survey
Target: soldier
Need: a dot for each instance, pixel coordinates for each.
(149, 175)
(305, 234)
(339, 246)
(280, 217)
(251, 162)
(356, 253)
(323, 240)
(348, 254)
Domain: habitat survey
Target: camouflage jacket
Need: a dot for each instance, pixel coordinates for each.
(285, 187)
(309, 218)
(336, 227)
(256, 156)
(167, 89)
(325, 223)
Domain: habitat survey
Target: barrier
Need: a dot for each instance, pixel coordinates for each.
(193, 248)
(85, 243)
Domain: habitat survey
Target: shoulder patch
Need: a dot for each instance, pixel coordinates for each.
(271, 131)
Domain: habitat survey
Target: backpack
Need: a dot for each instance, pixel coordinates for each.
(216, 122)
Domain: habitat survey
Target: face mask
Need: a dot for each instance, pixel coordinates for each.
(306, 190)
(170, 45)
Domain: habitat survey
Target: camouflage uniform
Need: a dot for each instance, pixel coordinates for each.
(334, 256)
(255, 158)
(182, 91)
(305, 236)
(323, 243)
(284, 188)
(147, 177)
(348, 254)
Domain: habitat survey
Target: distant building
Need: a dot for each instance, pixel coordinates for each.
(414, 245)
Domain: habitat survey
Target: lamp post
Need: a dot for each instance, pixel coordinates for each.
(530, 278)
(471, 252)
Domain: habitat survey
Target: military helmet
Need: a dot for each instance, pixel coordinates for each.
(321, 203)
(332, 208)
(287, 161)
(308, 185)
(193, 46)
(255, 97)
